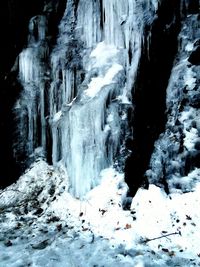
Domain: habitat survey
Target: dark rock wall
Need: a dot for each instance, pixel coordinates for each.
(176, 157)
(14, 19)
(149, 93)
(160, 50)
(149, 116)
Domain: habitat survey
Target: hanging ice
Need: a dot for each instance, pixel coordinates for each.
(30, 108)
(93, 67)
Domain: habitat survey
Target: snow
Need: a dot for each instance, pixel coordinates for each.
(57, 116)
(190, 137)
(43, 225)
(124, 99)
(103, 53)
(191, 133)
(97, 83)
(189, 78)
(189, 47)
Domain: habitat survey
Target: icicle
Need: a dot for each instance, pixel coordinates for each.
(93, 69)
(42, 117)
(29, 66)
(115, 13)
(32, 71)
(88, 22)
(148, 44)
(87, 145)
(37, 29)
(183, 8)
(55, 145)
(90, 126)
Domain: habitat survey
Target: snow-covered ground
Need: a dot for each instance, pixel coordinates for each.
(43, 225)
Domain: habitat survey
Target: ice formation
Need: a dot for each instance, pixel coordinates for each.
(83, 91)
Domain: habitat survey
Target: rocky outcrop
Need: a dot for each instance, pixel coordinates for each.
(175, 161)
(149, 92)
(160, 55)
(14, 18)
(194, 57)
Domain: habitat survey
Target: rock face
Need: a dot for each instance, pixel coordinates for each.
(194, 58)
(175, 161)
(164, 138)
(149, 92)
(14, 18)
(99, 83)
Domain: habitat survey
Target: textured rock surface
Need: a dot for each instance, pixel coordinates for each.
(160, 59)
(176, 158)
(14, 17)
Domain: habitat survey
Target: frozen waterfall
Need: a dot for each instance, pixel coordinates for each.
(81, 89)
(30, 107)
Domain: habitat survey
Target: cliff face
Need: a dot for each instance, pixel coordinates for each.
(76, 97)
(176, 159)
(94, 84)
(14, 19)
(14, 16)
(166, 46)
(149, 92)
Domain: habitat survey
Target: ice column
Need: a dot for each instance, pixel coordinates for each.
(30, 107)
(92, 70)
(89, 93)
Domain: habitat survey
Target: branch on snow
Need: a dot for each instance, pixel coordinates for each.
(145, 240)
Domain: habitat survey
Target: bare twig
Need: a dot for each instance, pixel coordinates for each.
(159, 237)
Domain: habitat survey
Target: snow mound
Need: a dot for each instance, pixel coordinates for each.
(43, 225)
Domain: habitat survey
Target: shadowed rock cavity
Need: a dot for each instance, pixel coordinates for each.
(14, 19)
(149, 93)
